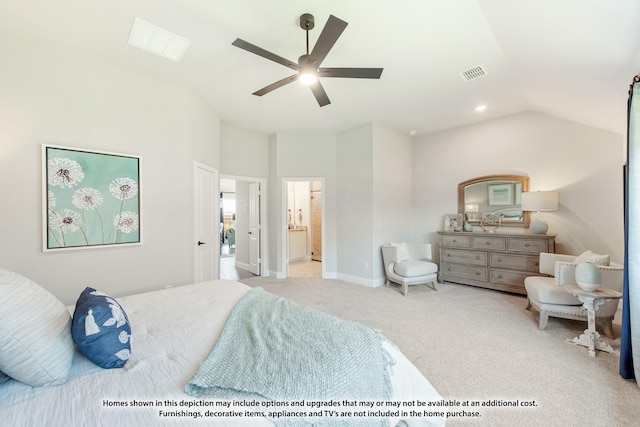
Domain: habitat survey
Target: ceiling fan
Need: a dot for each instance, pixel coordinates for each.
(308, 68)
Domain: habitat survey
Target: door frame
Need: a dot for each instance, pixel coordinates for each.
(216, 205)
(264, 229)
(284, 265)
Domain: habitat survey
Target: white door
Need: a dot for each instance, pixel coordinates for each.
(316, 225)
(207, 227)
(254, 228)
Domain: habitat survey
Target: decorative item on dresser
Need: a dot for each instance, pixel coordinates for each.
(499, 261)
(539, 201)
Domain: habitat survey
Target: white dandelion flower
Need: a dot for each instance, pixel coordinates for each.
(86, 198)
(64, 173)
(51, 199)
(66, 220)
(126, 221)
(123, 188)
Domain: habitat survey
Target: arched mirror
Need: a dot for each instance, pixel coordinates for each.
(499, 194)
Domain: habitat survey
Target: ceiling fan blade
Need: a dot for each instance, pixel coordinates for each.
(320, 94)
(273, 86)
(328, 37)
(354, 73)
(265, 53)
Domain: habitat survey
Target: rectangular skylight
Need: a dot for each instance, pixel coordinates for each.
(157, 40)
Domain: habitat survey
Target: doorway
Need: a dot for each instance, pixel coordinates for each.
(243, 238)
(304, 216)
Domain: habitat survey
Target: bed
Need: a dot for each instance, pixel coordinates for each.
(173, 332)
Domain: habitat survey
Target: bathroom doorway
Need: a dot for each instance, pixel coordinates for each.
(304, 228)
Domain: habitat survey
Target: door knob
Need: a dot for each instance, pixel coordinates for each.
(201, 243)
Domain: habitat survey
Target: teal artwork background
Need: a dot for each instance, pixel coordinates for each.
(100, 170)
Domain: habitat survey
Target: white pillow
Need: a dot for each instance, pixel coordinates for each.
(402, 252)
(593, 258)
(36, 347)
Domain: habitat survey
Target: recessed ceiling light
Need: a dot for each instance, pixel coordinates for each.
(481, 107)
(156, 40)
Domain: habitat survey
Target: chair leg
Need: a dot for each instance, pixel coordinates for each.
(544, 318)
(387, 283)
(608, 329)
(435, 285)
(528, 307)
(405, 289)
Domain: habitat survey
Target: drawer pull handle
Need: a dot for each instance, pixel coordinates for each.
(449, 255)
(455, 241)
(499, 276)
(536, 263)
(478, 257)
(449, 269)
(487, 243)
(477, 273)
(526, 245)
(499, 259)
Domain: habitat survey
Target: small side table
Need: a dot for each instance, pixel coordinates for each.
(591, 300)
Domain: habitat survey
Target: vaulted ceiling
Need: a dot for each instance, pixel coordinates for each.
(570, 58)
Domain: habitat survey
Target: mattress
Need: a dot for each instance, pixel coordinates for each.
(173, 332)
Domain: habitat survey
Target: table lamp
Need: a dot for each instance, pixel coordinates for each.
(539, 201)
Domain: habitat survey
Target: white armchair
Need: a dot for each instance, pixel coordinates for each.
(409, 264)
(545, 293)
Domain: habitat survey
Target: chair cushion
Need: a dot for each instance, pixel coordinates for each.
(415, 268)
(402, 252)
(545, 290)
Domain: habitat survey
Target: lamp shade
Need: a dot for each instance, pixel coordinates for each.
(539, 201)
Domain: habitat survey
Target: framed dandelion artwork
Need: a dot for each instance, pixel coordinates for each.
(90, 198)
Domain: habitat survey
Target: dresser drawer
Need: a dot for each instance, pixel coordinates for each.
(456, 241)
(504, 277)
(464, 271)
(528, 263)
(464, 257)
(520, 244)
(489, 243)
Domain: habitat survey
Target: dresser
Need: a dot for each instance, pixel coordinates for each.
(498, 261)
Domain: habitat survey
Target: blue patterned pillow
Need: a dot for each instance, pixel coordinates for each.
(101, 329)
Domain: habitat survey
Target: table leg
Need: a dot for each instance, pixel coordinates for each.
(591, 338)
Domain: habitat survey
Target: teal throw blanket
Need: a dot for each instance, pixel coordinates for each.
(273, 349)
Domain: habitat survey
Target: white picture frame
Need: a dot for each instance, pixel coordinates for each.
(453, 222)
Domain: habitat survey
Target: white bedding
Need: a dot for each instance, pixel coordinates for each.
(173, 332)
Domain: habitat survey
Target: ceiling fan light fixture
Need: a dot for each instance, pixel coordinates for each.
(307, 77)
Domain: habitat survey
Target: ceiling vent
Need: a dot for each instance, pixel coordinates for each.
(473, 73)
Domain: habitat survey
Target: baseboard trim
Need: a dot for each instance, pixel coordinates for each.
(371, 283)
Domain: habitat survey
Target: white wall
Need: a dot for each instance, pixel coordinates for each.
(303, 155)
(243, 153)
(583, 164)
(392, 193)
(57, 97)
(355, 204)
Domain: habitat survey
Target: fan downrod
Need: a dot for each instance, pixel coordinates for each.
(307, 21)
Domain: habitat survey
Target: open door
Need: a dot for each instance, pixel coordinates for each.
(254, 228)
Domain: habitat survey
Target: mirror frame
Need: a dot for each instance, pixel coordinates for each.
(524, 180)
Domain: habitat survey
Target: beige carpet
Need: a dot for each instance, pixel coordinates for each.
(478, 345)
